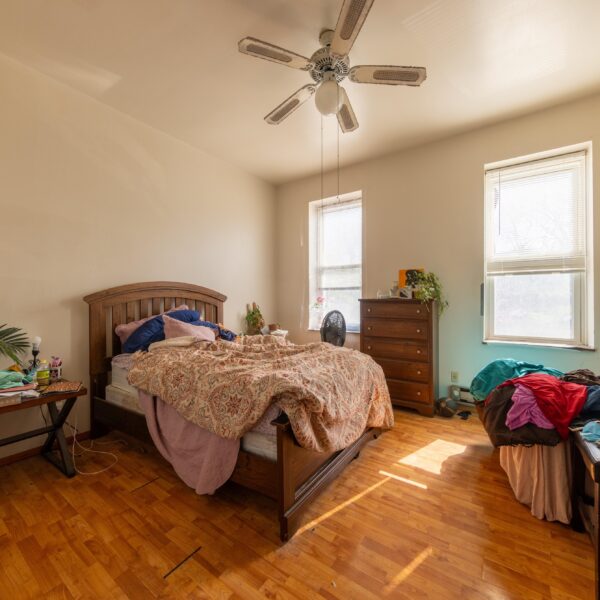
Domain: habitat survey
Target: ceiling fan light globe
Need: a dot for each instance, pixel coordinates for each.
(328, 98)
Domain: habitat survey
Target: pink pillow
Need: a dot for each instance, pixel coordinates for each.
(175, 328)
(126, 329)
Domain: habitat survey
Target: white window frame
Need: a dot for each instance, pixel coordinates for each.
(583, 309)
(316, 208)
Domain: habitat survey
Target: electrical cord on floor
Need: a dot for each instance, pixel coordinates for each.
(75, 432)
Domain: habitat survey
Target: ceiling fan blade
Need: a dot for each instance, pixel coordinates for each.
(289, 105)
(388, 74)
(351, 19)
(260, 49)
(345, 115)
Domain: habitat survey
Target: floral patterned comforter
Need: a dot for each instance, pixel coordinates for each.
(329, 394)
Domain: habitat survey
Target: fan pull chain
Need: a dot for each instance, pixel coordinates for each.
(338, 159)
(322, 174)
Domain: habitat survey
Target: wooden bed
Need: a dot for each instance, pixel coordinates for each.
(293, 480)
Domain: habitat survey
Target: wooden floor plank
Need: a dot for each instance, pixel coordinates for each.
(425, 512)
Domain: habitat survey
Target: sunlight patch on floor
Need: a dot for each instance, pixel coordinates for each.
(404, 480)
(341, 506)
(431, 457)
(407, 570)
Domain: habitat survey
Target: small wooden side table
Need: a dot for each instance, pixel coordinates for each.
(585, 507)
(54, 430)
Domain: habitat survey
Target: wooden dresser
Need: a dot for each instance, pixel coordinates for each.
(401, 335)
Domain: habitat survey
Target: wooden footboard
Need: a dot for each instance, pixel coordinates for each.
(297, 476)
(303, 474)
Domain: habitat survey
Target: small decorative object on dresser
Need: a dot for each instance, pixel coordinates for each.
(402, 337)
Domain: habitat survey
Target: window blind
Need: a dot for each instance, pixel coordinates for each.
(536, 216)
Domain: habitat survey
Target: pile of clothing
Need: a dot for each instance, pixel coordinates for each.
(526, 404)
(15, 381)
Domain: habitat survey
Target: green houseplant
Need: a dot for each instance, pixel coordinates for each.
(12, 342)
(429, 288)
(254, 319)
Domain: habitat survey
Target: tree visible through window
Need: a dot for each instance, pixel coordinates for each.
(537, 254)
(335, 259)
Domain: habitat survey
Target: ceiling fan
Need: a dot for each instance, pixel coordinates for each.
(329, 65)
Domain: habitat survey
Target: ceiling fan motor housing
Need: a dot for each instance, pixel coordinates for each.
(322, 62)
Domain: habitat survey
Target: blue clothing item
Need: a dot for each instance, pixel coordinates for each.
(10, 379)
(591, 432)
(498, 371)
(591, 407)
(154, 330)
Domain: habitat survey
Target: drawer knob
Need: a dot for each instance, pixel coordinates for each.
(418, 393)
(369, 328)
(368, 347)
(418, 311)
(418, 372)
(418, 331)
(368, 310)
(418, 352)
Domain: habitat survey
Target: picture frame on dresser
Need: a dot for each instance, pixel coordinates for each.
(401, 335)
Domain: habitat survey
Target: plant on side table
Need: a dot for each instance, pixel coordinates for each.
(13, 341)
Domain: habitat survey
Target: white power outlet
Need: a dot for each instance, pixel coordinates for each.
(454, 376)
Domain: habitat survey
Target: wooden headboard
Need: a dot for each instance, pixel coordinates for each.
(127, 303)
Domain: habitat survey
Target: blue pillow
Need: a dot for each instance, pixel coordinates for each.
(154, 330)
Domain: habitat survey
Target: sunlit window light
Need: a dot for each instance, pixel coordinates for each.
(407, 570)
(431, 457)
(404, 480)
(341, 506)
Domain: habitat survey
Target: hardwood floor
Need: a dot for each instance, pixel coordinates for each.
(425, 512)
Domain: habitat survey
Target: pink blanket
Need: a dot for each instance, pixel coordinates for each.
(203, 460)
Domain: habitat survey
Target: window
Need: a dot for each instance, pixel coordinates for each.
(538, 258)
(335, 259)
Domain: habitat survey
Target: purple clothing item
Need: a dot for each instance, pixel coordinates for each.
(525, 410)
(203, 460)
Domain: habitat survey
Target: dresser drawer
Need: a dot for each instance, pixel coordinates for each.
(399, 309)
(393, 328)
(407, 350)
(400, 369)
(408, 391)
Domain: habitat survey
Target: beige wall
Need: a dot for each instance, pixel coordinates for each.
(424, 207)
(90, 199)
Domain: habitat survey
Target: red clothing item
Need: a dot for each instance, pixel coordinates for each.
(560, 401)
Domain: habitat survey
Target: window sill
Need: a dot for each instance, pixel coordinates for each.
(540, 345)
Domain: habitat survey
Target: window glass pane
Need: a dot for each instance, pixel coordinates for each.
(537, 216)
(346, 301)
(341, 236)
(535, 306)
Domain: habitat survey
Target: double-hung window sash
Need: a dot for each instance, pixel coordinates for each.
(336, 263)
(536, 251)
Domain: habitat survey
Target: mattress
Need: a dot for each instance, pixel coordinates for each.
(120, 367)
(261, 441)
(260, 444)
(123, 398)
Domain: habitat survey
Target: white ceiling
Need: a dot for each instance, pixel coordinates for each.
(174, 64)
